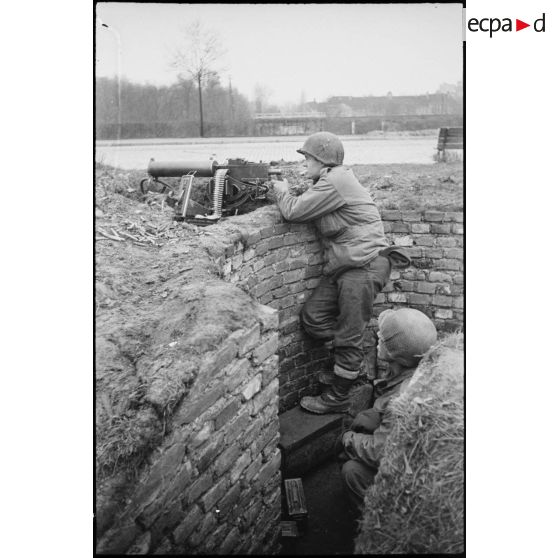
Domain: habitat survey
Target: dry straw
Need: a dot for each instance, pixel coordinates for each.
(416, 502)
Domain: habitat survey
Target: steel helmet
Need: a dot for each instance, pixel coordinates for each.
(406, 334)
(325, 147)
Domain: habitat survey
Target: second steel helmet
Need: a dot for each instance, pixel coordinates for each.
(406, 334)
(325, 147)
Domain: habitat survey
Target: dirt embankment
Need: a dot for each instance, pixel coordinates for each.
(416, 503)
(160, 306)
(436, 187)
(156, 277)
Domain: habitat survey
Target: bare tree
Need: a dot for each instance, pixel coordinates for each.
(231, 101)
(198, 56)
(302, 103)
(262, 93)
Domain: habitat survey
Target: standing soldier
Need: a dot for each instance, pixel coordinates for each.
(355, 270)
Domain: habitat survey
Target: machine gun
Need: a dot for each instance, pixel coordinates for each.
(230, 185)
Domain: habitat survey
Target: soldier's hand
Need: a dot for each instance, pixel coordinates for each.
(366, 421)
(339, 449)
(345, 437)
(280, 186)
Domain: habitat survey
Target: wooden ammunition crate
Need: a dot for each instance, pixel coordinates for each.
(296, 502)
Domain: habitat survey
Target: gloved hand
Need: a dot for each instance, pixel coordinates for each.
(366, 421)
(280, 186)
(339, 449)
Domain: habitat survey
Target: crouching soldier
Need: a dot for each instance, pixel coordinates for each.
(355, 271)
(404, 336)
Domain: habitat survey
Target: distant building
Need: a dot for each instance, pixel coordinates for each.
(287, 124)
(360, 115)
(453, 89)
(390, 105)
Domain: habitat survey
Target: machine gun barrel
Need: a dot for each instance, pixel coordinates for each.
(159, 169)
(202, 169)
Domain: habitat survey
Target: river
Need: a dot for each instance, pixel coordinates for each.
(135, 154)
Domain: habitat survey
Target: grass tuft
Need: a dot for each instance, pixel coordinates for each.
(125, 442)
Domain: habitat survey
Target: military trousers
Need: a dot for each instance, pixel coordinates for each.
(340, 308)
(357, 477)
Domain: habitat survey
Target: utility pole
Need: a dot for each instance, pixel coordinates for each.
(231, 101)
(119, 87)
(201, 104)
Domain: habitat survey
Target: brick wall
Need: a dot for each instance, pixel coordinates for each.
(434, 283)
(280, 263)
(214, 485)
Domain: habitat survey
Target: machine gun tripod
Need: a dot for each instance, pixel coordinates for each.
(230, 186)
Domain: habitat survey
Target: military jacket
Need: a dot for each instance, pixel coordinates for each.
(368, 447)
(345, 215)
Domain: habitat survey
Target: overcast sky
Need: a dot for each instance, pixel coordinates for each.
(318, 50)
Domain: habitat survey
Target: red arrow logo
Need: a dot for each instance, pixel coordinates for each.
(519, 25)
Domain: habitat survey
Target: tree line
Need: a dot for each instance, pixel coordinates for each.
(131, 110)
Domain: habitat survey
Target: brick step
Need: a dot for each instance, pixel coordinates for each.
(307, 440)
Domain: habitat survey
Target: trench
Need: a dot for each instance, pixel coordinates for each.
(280, 265)
(216, 483)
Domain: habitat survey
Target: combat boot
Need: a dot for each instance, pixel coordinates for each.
(335, 399)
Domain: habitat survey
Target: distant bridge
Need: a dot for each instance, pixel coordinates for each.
(289, 116)
(300, 123)
(293, 123)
